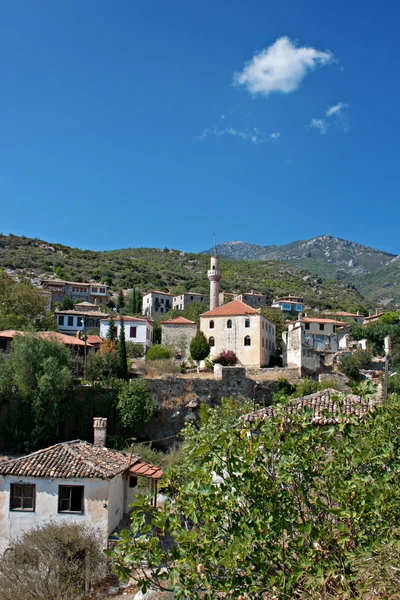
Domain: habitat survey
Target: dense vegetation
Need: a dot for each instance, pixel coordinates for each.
(171, 270)
(269, 510)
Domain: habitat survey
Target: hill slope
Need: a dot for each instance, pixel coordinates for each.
(376, 274)
(170, 270)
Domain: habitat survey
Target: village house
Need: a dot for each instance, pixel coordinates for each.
(356, 317)
(224, 297)
(156, 303)
(372, 318)
(91, 292)
(137, 330)
(76, 344)
(84, 316)
(241, 328)
(71, 482)
(252, 299)
(177, 333)
(182, 301)
(289, 304)
(311, 343)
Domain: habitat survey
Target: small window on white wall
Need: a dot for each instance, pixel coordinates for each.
(229, 324)
(211, 342)
(247, 340)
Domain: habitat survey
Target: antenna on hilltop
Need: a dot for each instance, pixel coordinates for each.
(215, 244)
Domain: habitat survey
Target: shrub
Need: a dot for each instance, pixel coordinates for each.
(56, 561)
(134, 350)
(199, 347)
(158, 352)
(135, 403)
(227, 358)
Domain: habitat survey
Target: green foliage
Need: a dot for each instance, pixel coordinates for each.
(291, 512)
(20, 303)
(135, 403)
(284, 390)
(121, 352)
(134, 350)
(192, 312)
(351, 365)
(111, 329)
(390, 318)
(120, 300)
(277, 317)
(134, 306)
(158, 352)
(375, 334)
(67, 303)
(199, 347)
(56, 561)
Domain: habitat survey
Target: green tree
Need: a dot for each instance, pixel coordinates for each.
(111, 329)
(135, 403)
(199, 347)
(120, 300)
(273, 509)
(158, 352)
(67, 303)
(121, 351)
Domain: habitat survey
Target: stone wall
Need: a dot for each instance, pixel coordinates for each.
(178, 337)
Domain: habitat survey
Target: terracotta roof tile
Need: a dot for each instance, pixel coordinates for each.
(233, 308)
(146, 470)
(326, 406)
(317, 320)
(62, 338)
(178, 321)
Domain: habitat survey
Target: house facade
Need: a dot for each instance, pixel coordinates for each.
(156, 304)
(289, 304)
(85, 315)
(252, 299)
(183, 300)
(137, 330)
(90, 292)
(312, 343)
(178, 333)
(71, 482)
(241, 328)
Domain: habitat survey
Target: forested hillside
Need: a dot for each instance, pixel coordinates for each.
(170, 270)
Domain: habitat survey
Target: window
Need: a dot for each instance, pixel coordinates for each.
(247, 340)
(79, 321)
(162, 310)
(211, 324)
(132, 481)
(334, 329)
(102, 290)
(70, 498)
(307, 325)
(133, 332)
(162, 300)
(262, 324)
(70, 321)
(321, 327)
(156, 308)
(94, 290)
(60, 320)
(211, 341)
(247, 323)
(191, 297)
(22, 497)
(229, 324)
(201, 299)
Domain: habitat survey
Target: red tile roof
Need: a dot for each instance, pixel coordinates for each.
(375, 316)
(146, 470)
(326, 408)
(62, 338)
(77, 460)
(126, 319)
(343, 313)
(94, 339)
(178, 321)
(317, 320)
(233, 308)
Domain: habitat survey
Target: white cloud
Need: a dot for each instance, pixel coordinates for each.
(222, 117)
(280, 68)
(319, 124)
(336, 109)
(255, 135)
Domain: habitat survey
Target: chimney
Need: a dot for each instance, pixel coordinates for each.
(358, 312)
(100, 431)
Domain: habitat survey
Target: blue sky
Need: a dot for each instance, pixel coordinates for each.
(127, 124)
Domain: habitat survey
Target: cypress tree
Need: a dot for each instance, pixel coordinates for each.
(121, 356)
(120, 300)
(132, 307)
(138, 302)
(111, 329)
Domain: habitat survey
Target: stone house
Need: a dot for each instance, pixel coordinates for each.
(156, 303)
(90, 292)
(252, 299)
(178, 333)
(372, 318)
(312, 343)
(182, 301)
(71, 482)
(137, 330)
(241, 328)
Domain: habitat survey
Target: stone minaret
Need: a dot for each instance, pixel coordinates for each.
(214, 277)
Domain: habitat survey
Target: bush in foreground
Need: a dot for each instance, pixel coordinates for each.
(158, 352)
(52, 562)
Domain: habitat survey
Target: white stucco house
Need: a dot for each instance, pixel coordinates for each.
(241, 328)
(155, 304)
(74, 482)
(138, 330)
